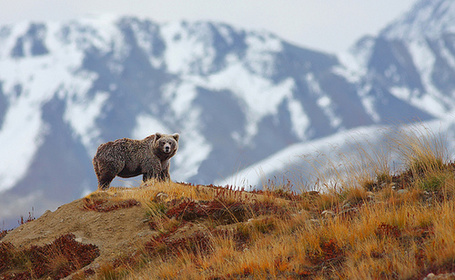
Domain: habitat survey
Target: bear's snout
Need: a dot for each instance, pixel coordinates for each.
(167, 148)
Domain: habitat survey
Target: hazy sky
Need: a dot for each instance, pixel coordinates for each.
(327, 25)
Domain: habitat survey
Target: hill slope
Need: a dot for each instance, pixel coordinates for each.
(379, 227)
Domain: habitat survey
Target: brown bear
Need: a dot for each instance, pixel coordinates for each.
(128, 158)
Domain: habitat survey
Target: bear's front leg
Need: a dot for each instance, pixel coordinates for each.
(147, 177)
(164, 175)
(150, 175)
(153, 169)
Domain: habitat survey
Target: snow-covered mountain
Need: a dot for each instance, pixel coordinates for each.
(236, 96)
(412, 59)
(410, 62)
(343, 156)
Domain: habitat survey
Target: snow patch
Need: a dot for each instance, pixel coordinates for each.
(100, 31)
(40, 78)
(22, 133)
(433, 101)
(392, 74)
(260, 95)
(193, 151)
(260, 57)
(145, 40)
(425, 102)
(189, 48)
(15, 31)
(300, 121)
(225, 31)
(368, 102)
(427, 19)
(147, 125)
(256, 174)
(323, 101)
(446, 54)
(81, 114)
(339, 149)
(180, 95)
(402, 93)
(352, 67)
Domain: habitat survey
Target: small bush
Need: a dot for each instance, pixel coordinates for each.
(432, 182)
(108, 271)
(6, 256)
(329, 253)
(54, 261)
(386, 230)
(30, 218)
(198, 243)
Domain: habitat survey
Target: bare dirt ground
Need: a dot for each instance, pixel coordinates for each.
(116, 233)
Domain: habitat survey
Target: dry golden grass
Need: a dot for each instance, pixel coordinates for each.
(148, 191)
(374, 225)
(420, 149)
(152, 190)
(381, 241)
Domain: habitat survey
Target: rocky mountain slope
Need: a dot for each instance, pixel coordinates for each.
(236, 96)
(412, 59)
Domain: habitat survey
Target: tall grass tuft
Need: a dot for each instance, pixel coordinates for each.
(421, 150)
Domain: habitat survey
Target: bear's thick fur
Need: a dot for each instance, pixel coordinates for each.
(128, 158)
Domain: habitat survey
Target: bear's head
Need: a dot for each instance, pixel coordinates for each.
(166, 145)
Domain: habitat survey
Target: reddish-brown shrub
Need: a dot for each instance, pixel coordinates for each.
(55, 260)
(198, 243)
(386, 230)
(6, 255)
(330, 253)
(217, 210)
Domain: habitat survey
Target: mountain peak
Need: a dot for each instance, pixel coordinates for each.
(427, 19)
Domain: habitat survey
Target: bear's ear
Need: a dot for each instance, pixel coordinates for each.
(176, 136)
(158, 136)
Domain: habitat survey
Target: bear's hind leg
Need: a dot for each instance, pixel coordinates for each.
(146, 177)
(104, 181)
(107, 170)
(105, 177)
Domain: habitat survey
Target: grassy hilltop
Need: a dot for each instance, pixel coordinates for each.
(373, 225)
